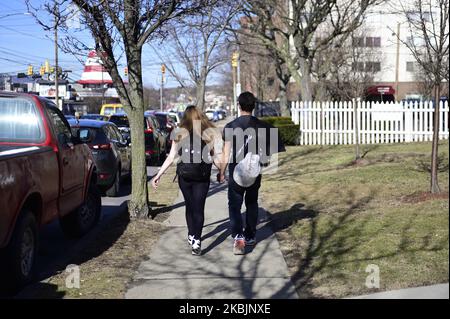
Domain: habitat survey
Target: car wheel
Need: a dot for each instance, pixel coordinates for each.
(85, 217)
(21, 253)
(115, 188)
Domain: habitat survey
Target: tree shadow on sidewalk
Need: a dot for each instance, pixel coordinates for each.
(313, 256)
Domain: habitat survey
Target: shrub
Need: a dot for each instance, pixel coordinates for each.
(288, 131)
(277, 120)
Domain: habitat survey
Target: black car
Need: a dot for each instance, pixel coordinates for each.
(96, 117)
(267, 109)
(155, 139)
(167, 124)
(111, 152)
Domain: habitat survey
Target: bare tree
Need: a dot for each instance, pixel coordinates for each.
(301, 23)
(428, 24)
(60, 14)
(347, 68)
(262, 61)
(125, 26)
(198, 44)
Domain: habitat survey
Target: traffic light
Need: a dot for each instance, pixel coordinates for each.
(30, 70)
(125, 71)
(47, 67)
(42, 70)
(163, 68)
(234, 59)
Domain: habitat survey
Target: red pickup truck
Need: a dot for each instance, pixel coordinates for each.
(46, 173)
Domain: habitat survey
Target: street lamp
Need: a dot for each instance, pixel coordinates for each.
(15, 14)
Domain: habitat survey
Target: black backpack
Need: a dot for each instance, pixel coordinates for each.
(186, 168)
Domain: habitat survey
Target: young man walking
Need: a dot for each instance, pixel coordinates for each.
(250, 142)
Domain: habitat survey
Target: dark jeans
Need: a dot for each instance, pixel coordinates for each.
(194, 194)
(236, 196)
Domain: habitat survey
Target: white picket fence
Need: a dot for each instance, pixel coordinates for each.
(331, 123)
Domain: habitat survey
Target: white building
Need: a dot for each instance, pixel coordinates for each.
(387, 32)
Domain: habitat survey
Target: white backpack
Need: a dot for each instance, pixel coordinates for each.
(247, 171)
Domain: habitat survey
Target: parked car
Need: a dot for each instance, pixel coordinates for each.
(112, 153)
(212, 115)
(176, 118)
(267, 109)
(222, 114)
(166, 122)
(46, 173)
(167, 125)
(96, 117)
(155, 139)
(69, 117)
(110, 109)
(122, 123)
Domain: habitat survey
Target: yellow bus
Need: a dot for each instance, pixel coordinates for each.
(110, 109)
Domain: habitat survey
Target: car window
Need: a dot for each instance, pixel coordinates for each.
(155, 123)
(19, 121)
(150, 124)
(62, 129)
(115, 133)
(162, 119)
(108, 110)
(108, 132)
(121, 121)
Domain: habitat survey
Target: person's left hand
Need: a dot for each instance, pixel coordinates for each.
(221, 178)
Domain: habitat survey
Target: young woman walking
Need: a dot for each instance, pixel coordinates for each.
(196, 145)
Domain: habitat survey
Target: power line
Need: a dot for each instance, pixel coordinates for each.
(17, 52)
(24, 33)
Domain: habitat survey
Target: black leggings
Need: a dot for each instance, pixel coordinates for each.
(195, 194)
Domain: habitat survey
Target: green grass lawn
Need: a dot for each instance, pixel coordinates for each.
(334, 218)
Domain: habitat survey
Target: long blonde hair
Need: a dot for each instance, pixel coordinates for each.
(191, 114)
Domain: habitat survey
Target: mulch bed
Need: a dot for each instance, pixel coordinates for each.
(419, 197)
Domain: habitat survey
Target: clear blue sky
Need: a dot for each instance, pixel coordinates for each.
(23, 42)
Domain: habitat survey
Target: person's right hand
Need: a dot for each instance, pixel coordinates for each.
(155, 182)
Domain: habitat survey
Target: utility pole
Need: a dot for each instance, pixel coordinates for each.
(238, 85)
(56, 13)
(397, 63)
(234, 64)
(163, 71)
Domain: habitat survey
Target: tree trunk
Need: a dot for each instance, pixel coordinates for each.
(138, 205)
(305, 83)
(320, 90)
(434, 152)
(201, 87)
(282, 96)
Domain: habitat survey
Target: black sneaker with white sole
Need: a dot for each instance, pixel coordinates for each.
(190, 239)
(196, 247)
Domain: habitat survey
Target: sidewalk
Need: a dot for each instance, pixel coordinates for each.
(428, 292)
(172, 272)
